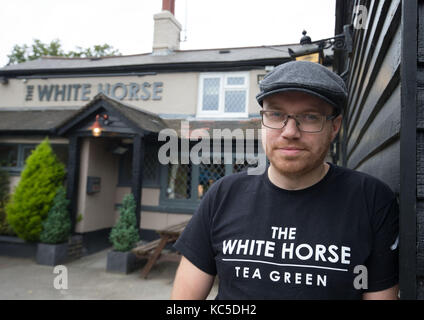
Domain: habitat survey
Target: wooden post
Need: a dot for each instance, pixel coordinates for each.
(408, 151)
(72, 178)
(137, 173)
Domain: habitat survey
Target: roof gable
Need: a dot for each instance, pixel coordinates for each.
(122, 118)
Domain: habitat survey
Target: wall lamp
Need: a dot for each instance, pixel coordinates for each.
(313, 50)
(96, 128)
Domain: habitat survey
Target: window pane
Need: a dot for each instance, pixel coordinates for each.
(210, 94)
(8, 156)
(27, 152)
(235, 81)
(179, 181)
(208, 174)
(61, 151)
(151, 164)
(235, 101)
(238, 166)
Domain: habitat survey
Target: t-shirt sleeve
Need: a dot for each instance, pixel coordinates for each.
(195, 242)
(382, 264)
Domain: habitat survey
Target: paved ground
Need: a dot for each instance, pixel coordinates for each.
(23, 279)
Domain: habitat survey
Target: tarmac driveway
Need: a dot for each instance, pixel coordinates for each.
(23, 279)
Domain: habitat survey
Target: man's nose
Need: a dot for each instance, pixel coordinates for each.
(290, 130)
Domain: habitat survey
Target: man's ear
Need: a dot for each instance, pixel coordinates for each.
(336, 124)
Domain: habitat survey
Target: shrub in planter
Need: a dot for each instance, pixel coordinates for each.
(124, 236)
(56, 231)
(57, 226)
(33, 196)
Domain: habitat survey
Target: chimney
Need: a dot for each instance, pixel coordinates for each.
(166, 36)
(168, 5)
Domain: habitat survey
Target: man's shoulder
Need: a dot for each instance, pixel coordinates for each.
(363, 180)
(356, 175)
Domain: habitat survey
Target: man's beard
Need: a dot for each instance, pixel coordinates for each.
(299, 165)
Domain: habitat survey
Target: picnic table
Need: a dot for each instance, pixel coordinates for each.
(153, 250)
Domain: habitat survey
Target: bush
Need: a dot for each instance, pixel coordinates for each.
(5, 228)
(57, 226)
(124, 234)
(34, 194)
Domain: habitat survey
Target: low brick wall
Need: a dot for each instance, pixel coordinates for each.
(75, 247)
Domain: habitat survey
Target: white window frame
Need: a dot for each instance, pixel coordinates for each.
(220, 113)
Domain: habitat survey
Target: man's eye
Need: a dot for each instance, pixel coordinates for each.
(274, 115)
(310, 117)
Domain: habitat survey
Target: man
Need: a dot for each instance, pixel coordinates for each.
(304, 229)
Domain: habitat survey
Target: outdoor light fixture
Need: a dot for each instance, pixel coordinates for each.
(314, 50)
(96, 128)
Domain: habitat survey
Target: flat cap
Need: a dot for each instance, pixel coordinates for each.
(305, 76)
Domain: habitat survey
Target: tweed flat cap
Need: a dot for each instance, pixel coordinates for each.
(305, 76)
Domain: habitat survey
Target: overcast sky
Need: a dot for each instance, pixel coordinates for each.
(127, 25)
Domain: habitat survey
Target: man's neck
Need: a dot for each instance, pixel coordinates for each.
(299, 182)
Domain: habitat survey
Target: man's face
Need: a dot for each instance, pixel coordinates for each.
(291, 151)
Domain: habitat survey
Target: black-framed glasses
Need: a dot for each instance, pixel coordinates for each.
(307, 122)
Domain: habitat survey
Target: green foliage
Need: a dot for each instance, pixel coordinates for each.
(34, 194)
(96, 51)
(19, 54)
(57, 226)
(124, 234)
(5, 228)
(38, 49)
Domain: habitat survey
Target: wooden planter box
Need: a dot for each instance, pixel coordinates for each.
(52, 254)
(122, 262)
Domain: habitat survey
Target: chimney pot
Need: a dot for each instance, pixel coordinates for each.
(168, 5)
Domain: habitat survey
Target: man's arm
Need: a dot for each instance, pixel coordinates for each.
(388, 294)
(190, 282)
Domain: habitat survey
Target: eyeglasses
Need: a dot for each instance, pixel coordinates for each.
(308, 122)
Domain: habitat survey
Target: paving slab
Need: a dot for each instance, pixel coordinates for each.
(24, 279)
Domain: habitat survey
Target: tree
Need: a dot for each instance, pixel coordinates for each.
(95, 52)
(34, 194)
(124, 234)
(39, 49)
(57, 226)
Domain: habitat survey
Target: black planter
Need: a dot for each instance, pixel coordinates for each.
(52, 254)
(122, 262)
(14, 247)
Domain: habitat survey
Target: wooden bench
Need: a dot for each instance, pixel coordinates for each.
(153, 250)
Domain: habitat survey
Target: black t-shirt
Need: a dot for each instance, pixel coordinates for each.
(265, 242)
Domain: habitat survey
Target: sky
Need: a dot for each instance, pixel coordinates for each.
(127, 25)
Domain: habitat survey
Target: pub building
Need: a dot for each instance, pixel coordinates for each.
(103, 117)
